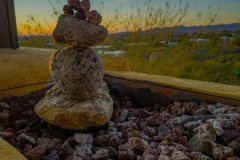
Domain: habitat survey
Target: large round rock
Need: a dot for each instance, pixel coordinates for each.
(77, 71)
(77, 32)
(59, 109)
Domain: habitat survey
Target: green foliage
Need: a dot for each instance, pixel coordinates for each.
(150, 52)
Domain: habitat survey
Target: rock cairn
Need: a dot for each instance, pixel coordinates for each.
(80, 97)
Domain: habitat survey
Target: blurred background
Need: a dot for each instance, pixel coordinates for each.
(188, 39)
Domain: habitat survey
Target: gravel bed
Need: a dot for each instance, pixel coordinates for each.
(180, 131)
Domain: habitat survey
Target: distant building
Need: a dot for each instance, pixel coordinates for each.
(199, 40)
(226, 38)
(169, 43)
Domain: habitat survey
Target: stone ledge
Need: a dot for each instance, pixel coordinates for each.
(158, 87)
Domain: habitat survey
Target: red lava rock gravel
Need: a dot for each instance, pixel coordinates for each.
(180, 131)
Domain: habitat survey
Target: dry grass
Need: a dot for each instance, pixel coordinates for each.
(30, 65)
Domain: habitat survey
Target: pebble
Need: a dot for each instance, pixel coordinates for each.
(4, 105)
(44, 142)
(84, 151)
(221, 152)
(200, 156)
(68, 9)
(25, 139)
(80, 14)
(6, 135)
(102, 140)
(143, 114)
(74, 3)
(35, 153)
(217, 128)
(235, 145)
(51, 156)
(137, 144)
(22, 123)
(114, 142)
(85, 5)
(199, 144)
(100, 155)
(83, 138)
(155, 120)
(165, 158)
(150, 154)
(179, 155)
(4, 117)
(230, 135)
(202, 110)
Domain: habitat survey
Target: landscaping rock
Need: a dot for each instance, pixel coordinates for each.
(198, 144)
(35, 153)
(4, 105)
(165, 158)
(179, 155)
(62, 111)
(100, 155)
(80, 14)
(85, 5)
(22, 123)
(102, 140)
(138, 144)
(44, 143)
(25, 139)
(235, 145)
(4, 117)
(79, 99)
(68, 9)
(77, 71)
(83, 139)
(6, 135)
(94, 17)
(51, 156)
(77, 32)
(221, 152)
(200, 156)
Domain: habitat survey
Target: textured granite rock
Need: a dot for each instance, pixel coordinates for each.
(80, 99)
(80, 14)
(78, 71)
(59, 109)
(221, 152)
(85, 5)
(94, 17)
(68, 10)
(74, 3)
(77, 32)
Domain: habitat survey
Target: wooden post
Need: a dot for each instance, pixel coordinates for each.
(8, 29)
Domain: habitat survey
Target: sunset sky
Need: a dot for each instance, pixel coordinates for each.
(229, 9)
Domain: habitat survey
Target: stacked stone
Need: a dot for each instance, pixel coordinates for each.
(80, 98)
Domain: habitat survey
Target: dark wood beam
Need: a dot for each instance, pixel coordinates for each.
(8, 28)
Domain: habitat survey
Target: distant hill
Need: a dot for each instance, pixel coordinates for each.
(192, 29)
(211, 28)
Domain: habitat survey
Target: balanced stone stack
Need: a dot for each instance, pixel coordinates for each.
(80, 97)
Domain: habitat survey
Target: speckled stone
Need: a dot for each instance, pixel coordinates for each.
(74, 3)
(94, 17)
(68, 10)
(77, 32)
(78, 71)
(85, 5)
(81, 14)
(61, 110)
(80, 99)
